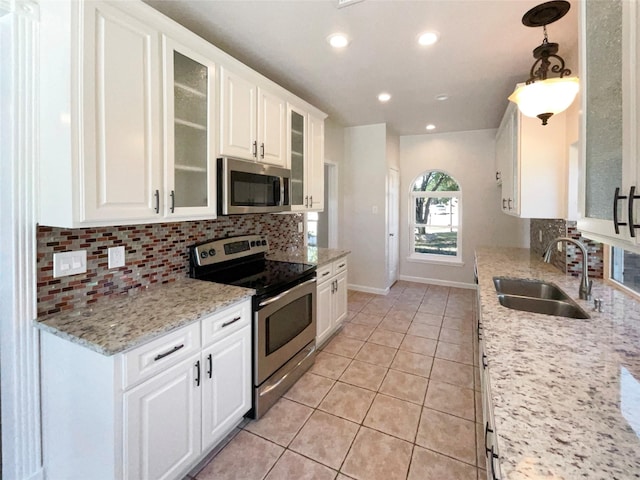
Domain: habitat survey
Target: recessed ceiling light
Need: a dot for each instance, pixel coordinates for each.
(338, 40)
(428, 38)
(384, 97)
(442, 97)
(431, 126)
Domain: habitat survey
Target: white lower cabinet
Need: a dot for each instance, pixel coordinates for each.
(151, 413)
(162, 424)
(490, 436)
(332, 298)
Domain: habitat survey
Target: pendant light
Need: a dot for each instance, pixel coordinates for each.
(540, 96)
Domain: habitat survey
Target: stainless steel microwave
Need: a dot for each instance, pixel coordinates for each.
(248, 187)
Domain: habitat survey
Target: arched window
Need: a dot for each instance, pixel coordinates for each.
(435, 213)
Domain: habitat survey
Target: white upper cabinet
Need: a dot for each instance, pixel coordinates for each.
(100, 118)
(252, 124)
(134, 111)
(305, 158)
(609, 149)
(189, 118)
(533, 159)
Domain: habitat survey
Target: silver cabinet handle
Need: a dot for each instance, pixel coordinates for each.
(157, 196)
(173, 201)
(262, 150)
(255, 149)
(311, 201)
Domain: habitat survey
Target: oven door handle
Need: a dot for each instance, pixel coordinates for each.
(286, 292)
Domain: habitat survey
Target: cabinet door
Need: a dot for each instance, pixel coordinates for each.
(340, 299)
(315, 164)
(121, 165)
(226, 393)
(324, 311)
(238, 108)
(271, 129)
(602, 125)
(507, 158)
(189, 92)
(297, 156)
(162, 423)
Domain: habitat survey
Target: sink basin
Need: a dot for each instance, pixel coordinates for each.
(529, 288)
(536, 296)
(560, 308)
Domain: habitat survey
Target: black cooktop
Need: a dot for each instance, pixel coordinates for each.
(241, 261)
(262, 275)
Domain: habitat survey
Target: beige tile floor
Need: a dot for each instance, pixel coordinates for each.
(394, 395)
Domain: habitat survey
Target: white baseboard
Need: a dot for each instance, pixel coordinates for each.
(435, 281)
(362, 288)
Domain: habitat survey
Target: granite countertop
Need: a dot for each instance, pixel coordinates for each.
(565, 392)
(313, 255)
(117, 324)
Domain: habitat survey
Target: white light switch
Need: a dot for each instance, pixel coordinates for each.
(300, 227)
(69, 263)
(116, 257)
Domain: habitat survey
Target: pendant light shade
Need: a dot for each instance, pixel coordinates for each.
(550, 96)
(540, 96)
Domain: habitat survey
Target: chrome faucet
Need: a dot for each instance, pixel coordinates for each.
(585, 283)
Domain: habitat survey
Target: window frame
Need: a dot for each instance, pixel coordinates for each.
(434, 258)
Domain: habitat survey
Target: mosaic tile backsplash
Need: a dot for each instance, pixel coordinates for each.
(154, 253)
(570, 259)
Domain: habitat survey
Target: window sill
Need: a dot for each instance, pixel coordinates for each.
(453, 262)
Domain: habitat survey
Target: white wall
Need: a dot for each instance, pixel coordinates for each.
(334, 153)
(364, 201)
(469, 158)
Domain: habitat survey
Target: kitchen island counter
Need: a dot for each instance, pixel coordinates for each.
(565, 392)
(122, 322)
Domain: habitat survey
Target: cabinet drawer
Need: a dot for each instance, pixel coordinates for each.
(157, 355)
(223, 323)
(339, 265)
(324, 273)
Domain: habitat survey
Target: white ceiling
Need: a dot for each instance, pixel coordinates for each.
(484, 50)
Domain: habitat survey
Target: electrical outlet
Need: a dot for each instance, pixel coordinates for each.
(300, 227)
(540, 236)
(116, 257)
(69, 263)
(559, 246)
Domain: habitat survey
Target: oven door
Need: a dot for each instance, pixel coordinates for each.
(246, 187)
(284, 325)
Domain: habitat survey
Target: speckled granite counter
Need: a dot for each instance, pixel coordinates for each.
(115, 325)
(313, 255)
(565, 392)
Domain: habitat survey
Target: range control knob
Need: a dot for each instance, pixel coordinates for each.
(264, 242)
(212, 252)
(204, 254)
(253, 243)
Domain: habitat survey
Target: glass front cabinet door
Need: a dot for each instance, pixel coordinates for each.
(189, 147)
(608, 124)
(297, 143)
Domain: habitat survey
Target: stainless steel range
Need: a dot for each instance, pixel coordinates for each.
(284, 309)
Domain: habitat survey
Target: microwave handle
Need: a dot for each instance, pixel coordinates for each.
(281, 199)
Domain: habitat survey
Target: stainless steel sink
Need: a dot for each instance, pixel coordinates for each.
(537, 297)
(528, 288)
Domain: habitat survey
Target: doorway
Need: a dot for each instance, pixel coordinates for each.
(322, 227)
(393, 206)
